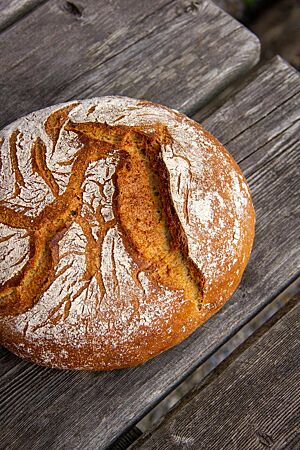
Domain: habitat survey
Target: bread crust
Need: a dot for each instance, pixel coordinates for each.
(124, 226)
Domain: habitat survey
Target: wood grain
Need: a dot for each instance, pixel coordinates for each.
(252, 403)
(175, 52)
(274, 100)
(89, 410)
(13, 10)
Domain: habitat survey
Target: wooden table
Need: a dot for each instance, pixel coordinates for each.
(181, 54)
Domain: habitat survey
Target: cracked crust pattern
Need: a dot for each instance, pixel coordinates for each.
(124, 225)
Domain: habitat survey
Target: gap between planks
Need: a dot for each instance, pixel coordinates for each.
(224, 356)
(249, 401)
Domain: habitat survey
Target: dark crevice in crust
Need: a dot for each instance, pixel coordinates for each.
(39, 165)
(56, 121)
(178, 237)
(19, 181)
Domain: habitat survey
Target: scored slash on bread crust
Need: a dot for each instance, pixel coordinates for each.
(124, 226)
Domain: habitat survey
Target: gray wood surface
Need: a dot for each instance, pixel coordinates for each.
(250, 404)
(89, 410)
(175, 52)
(13, 10)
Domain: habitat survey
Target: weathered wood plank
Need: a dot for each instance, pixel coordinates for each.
(175, 52)
(83, 410)
(12, 10)
(221, 110)
(252, 403)
(232, 119)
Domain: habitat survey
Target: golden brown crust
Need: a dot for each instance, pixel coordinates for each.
(143, 231)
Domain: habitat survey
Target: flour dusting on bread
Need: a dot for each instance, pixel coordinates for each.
(108, 296)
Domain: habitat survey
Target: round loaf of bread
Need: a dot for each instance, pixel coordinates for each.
(124, 225)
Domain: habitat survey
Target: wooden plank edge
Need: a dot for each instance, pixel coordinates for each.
(237, 86)
(10, 14)
(240, 72)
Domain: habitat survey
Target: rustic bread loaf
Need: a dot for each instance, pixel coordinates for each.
(124, 225)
